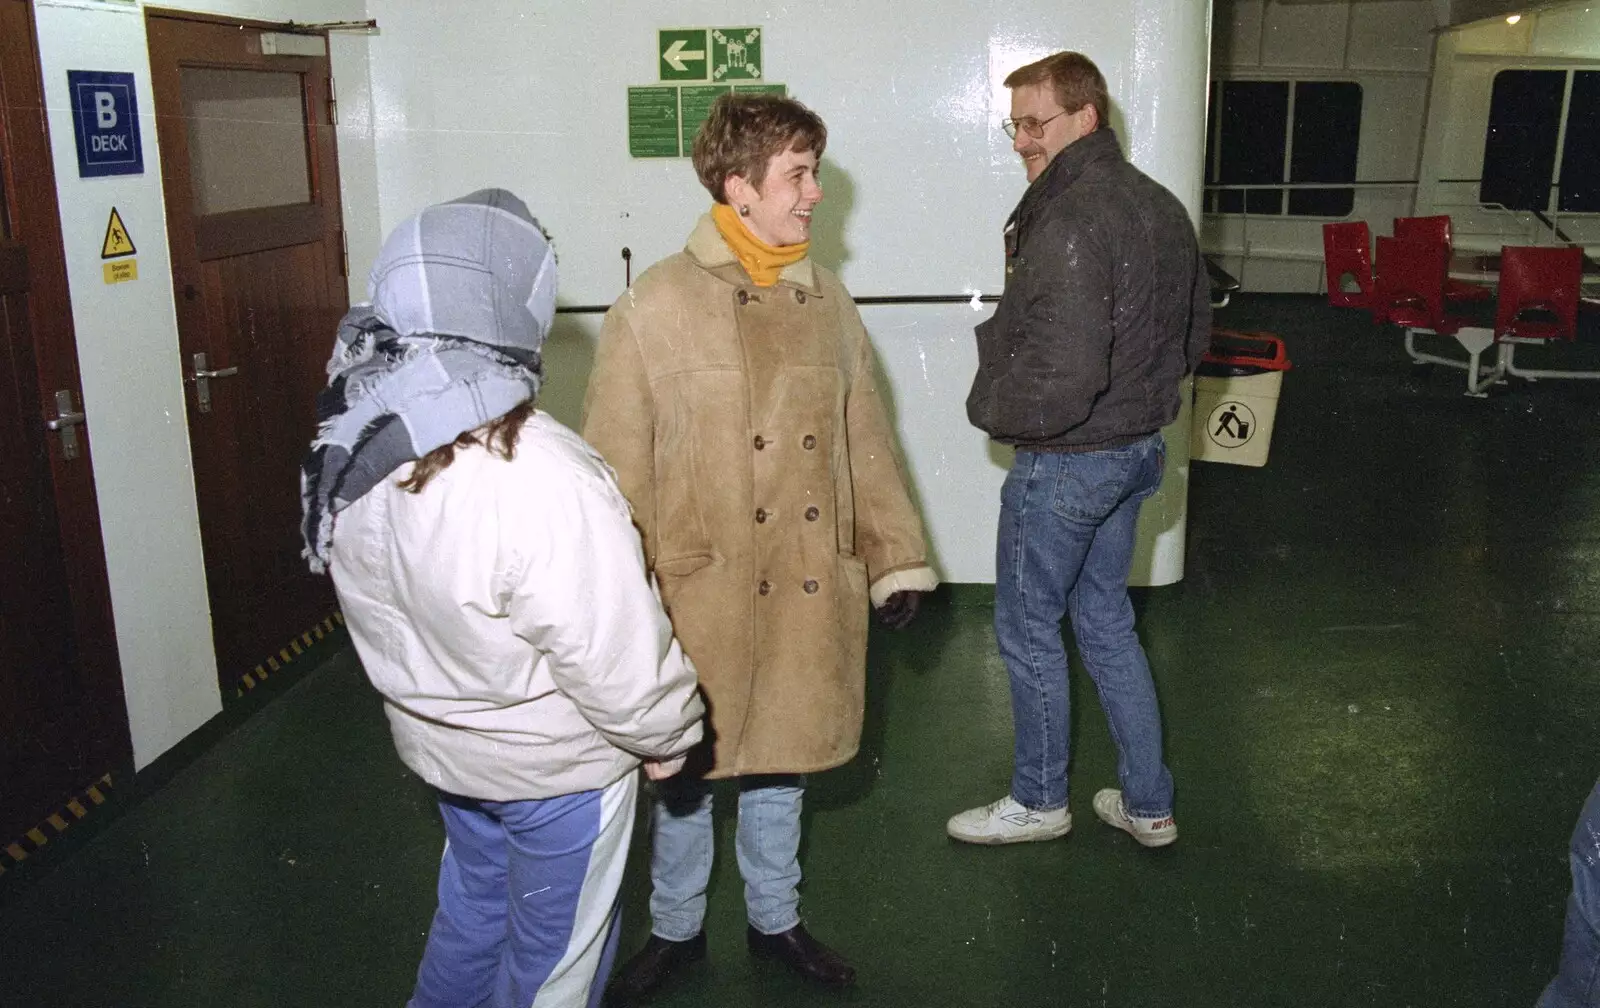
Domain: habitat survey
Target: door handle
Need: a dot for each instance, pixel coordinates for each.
(202, 381)
(66, 421)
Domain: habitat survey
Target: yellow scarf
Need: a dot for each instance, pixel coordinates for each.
(762, 261)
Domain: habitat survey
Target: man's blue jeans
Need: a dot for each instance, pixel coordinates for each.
(1577, 982)
(766, 841)
(1065, 548)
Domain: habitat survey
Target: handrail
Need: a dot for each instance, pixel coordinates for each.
(1221, 283)
(1381, 184)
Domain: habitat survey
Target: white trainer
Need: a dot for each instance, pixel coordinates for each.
(1149, 832)
(1007, 821)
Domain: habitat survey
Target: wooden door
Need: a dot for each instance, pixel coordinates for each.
(63, 722)
(252, 199)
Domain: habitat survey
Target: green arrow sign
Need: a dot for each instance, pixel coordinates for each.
(682, 54)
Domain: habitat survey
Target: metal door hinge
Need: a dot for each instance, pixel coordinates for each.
(344, 253)
(333, 103)
(66, 423)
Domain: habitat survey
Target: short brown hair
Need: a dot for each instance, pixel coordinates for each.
(744, 131)
(1074, 78)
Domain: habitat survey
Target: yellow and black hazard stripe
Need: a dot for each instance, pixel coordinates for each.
(76, 808)
(287, 654)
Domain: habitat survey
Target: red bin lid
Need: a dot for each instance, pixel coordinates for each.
(1251, 349)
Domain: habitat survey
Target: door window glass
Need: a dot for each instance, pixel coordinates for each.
(247, 139)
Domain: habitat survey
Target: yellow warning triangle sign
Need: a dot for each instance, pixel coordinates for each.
(117, 242)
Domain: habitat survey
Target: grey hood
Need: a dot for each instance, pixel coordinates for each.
(476, 268)
(463, 295)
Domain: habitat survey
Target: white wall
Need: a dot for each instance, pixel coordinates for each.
(918, 174)
(1386, 46)
(132, 374)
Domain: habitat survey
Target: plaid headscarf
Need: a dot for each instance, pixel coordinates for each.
(462, 297)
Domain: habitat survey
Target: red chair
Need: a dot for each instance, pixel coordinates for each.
(1347, 251)
(1437, 229)
(1538, 279)
(1409, 290)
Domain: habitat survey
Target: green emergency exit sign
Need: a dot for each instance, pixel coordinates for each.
(735, 54)
(707, 62)
(682, 54)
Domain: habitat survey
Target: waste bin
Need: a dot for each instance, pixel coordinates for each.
(1236, 397)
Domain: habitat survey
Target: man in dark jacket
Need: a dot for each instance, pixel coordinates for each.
(1106, 309)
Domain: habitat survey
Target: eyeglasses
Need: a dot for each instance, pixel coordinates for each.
(1029, 125)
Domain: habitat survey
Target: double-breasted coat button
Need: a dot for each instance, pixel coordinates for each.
(810, 587)
(764, 587)
(761, 514)
(761, 442)
(812, 514)
(800, 296)
(744, 297)
(810, 441)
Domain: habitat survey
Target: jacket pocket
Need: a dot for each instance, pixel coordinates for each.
(683, 564)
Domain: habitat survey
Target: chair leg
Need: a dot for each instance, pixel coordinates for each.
(1475, 340)
(1428, 358)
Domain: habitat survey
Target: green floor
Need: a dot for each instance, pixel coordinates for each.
(1381, 692)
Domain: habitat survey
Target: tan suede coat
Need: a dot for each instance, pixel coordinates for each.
(746, 430)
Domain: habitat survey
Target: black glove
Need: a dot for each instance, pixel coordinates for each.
(899, 609)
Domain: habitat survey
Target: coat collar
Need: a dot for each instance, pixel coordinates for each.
(710, 252)
(1069, 166)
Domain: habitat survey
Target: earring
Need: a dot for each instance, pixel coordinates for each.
(744, 210)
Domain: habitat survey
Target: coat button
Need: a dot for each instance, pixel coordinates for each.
(812, 514)
(744, 297)
(764, 587)
(761, 514)
(810, 441)
(761, 442)
(800, 296)
(810, 587)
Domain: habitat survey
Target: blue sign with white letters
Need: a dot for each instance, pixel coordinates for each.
(105, 121)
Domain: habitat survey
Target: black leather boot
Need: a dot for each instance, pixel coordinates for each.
(796, 949)
(642, 975)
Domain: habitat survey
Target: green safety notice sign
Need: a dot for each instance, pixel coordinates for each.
(681, 54)
(777, 89)
(653, 122)
(664, 118)
(735, 54)
(696, 107)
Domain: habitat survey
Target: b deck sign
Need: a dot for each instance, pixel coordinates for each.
(105, 121)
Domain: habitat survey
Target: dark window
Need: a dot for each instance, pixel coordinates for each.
(1255, 119)
(1255, 137)
(1580, 176)
(1327, 128)
(1519, 151)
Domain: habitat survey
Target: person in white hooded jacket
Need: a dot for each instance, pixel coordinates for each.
(496, 593)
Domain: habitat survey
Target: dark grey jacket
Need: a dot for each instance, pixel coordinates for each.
(1106, 308)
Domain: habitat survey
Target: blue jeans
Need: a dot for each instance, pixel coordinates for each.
(527, 900)
(767, 843)
(1577, 982)
(1065, 548)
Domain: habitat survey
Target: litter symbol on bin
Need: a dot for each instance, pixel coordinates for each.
(1231, 425)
